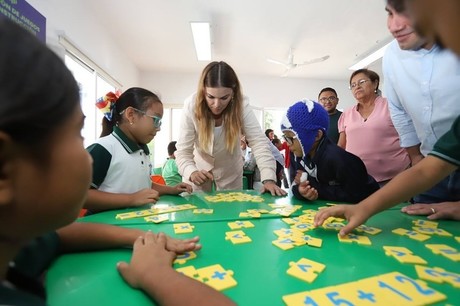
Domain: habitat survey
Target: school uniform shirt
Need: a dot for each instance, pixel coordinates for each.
(422, 91)
(226, 167)
(336, 174)
(374, 140)
(170, 173)
(119, 164)
(23, 284)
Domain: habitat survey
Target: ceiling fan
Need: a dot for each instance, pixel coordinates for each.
(289, 65)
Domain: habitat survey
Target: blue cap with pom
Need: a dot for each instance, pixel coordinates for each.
(304, 119)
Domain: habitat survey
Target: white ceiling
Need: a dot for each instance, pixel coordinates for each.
(156, 34)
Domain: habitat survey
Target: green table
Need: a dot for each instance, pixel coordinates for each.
(259, 267)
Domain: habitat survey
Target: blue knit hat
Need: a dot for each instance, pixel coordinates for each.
(304, 119)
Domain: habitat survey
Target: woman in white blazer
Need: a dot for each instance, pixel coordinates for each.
(214, 118)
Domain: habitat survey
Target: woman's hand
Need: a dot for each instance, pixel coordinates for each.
(200, 177)
(270, 186)
(444, 210)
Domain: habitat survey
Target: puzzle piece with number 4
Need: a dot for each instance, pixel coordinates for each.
(403, 255)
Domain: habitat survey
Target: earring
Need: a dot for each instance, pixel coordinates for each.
(375, 90)
(130, 123)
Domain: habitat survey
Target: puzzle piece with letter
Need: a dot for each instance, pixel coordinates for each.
(403, 255)
(359, 239)
(305, 269)
(237, 237)
(444, 250)
(183, 228)
(240, 224)
(411, 234)
(438, 275)
(183, 258)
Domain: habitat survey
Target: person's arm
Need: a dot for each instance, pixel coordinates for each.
(82, 236)
(173, 190)
(151, 270)
(100, 201)
(186, 142)
(414, 154)
(412, 181)
(342, 142)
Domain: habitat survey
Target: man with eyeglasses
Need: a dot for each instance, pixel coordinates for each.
(421, 85)
(329, 100)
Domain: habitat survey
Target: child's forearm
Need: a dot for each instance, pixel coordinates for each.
(94, 236)
(410, 182)
(100, 201)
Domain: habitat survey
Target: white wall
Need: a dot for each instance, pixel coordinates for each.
(270, 92)
(81, 27)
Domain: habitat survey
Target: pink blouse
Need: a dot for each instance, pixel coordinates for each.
(374, 140)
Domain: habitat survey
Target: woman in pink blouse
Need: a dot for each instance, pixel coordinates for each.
(367, 131)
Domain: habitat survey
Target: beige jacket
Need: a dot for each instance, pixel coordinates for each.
(226, 168)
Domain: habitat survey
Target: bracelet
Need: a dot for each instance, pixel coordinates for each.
(268, 181)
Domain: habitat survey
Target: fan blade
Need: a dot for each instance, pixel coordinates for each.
(315, 60)
(276, 62)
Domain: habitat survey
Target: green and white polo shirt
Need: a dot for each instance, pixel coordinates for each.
(119, 164)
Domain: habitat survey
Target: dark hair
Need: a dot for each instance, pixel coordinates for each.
(275, 141)
(38, 93)
(267, 132)
(327, 89)
(372, 75)
(172, 148)
(398, 5)
(135, 97)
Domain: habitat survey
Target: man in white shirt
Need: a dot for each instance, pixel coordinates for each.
(421, 85)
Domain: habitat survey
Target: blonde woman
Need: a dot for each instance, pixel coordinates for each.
(208, 149)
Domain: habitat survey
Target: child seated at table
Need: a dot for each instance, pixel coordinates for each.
(121, 162)
(328, 172)
(45, 174)
(169, 171)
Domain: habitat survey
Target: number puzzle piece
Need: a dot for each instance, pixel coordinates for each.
(368, 229)
(217, 277)
(207, 211)
(157, 218)
(240, 224)
(333, 226)
(183, 228)
(355, 238)
(444, 250)
(411, 234)
(290, 221)
(135, 214)
(432, 231)
(190, 271)
(183, 258)
(425, 223)
(237, 237)
(287, 232)
(438, 275)
(305, 269)
(303, 227)
(249, 215)
(403, 255)
(259, 210)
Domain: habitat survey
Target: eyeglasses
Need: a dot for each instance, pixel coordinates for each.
(156, 120)
(360, 83)
(330, 99)
(289, 140)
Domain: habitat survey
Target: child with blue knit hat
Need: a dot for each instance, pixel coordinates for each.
(327, 171)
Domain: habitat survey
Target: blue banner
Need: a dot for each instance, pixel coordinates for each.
(26, 16)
